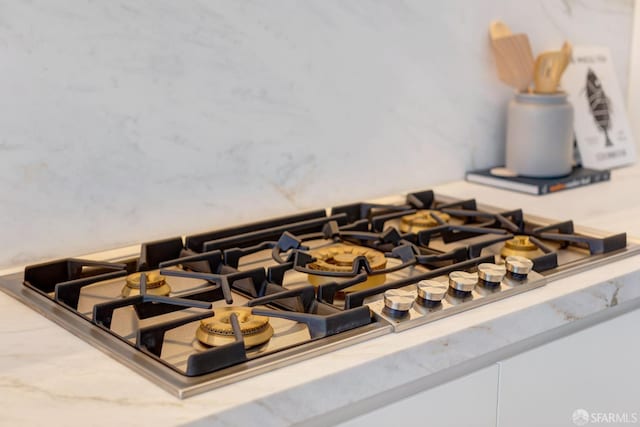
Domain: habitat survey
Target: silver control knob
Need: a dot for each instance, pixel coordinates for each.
(518, 265)
(399, 300)
(431, 290)
(492, 273)
(463, 281)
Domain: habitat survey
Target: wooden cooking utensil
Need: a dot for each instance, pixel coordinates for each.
(549, 68)
(514, 59)
(498, 29)
(567, 51)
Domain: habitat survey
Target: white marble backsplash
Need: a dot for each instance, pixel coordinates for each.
(124, 121)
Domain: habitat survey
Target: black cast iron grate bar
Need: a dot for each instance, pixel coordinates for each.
(219, 279)
(148, 309)
(514, 225)
(151, 338)
(453, 233)
(323, 325)
(68, 293)
(153, 253)
(195, 242)
(565, 227)
(476, 249)
(259, 236)
(378, 221)
(595, 245)
(44, 277)
(451, 255)
(468, 204)
(306, 294)
(540, 244)
(364, 210)
(421, 199)
(232, 256)
(205, 262)
(103, 312)
(327, 291)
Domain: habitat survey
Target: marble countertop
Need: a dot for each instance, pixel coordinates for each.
(49, 375)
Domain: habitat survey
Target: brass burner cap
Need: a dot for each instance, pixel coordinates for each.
(156, 284)
(422, 220)
(340, 257)
(217, 331)
(520, 246)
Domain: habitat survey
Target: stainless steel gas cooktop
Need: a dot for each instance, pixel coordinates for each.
(195, 313)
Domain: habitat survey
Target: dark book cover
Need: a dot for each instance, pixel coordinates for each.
(578, 177)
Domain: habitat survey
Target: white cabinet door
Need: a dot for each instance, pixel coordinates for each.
(593, 373)
(467, 401)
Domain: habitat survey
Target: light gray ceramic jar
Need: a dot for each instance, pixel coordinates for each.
(539, 135)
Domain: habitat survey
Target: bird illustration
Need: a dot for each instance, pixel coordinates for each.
(599, 105)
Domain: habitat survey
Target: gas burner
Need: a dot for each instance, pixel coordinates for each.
(521, 246)
(218, 330)
(422, 220)
(156, 284)
(339, 258)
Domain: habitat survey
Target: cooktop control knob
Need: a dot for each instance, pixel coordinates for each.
(397, 302)
(430, 292)
(462, 283)
(491, 275)
(518, 267)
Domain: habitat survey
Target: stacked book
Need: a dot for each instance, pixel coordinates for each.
(499, 177)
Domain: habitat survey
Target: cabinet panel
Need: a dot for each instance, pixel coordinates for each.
(474, 395)
(596, 369)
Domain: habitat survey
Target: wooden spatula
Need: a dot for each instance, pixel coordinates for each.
(567, 51)
(549, 68)
(514, 59)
